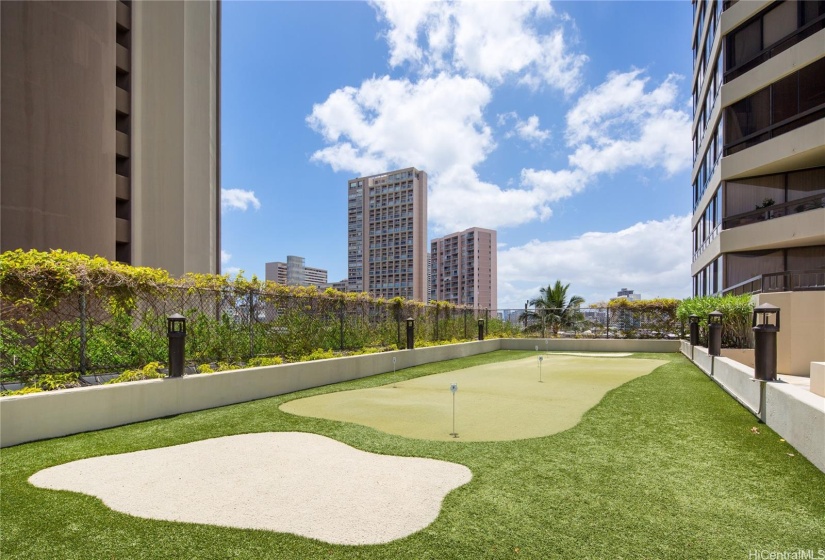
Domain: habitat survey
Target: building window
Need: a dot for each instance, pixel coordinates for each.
(775, 30)
(793, 101)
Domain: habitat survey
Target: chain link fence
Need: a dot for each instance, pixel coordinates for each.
(594, 322)
(92, 332)
(87, 332)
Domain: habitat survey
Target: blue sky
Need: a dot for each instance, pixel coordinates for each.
(564, 126)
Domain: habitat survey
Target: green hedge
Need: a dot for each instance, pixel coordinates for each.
(737, 316)
(68, 312)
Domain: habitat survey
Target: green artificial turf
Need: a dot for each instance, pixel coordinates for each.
(518, 399)
(665, 466)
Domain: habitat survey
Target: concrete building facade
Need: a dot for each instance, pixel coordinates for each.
(110, 125)
(465, 268)
(759, 158)
(294, 272)
(387, 234)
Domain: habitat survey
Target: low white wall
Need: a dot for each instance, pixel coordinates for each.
(798, 415)
(59, 413)
(591, 344)
(793, 412)
(818, 378)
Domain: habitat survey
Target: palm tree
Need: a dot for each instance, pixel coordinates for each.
(552, 307)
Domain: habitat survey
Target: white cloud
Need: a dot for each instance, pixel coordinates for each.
(489, 40)
(529, 130)
(435, 124)
(239, 199)
(619, 124)
(615, 126)
(225, 257)
(232, 271)
(555, 185)
(652, 257)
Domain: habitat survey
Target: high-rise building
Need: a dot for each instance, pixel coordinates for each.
(109, 140)
(628, 295)
(387, 234)
(759, 162)
(465, 268)
(294, 272)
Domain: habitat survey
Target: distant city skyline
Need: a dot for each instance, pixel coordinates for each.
(565, 127)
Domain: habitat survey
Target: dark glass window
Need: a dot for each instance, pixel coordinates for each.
(779, 22)
(812, 9)
(747, 42)
(812, 85)
(748, 115)
(785, 102)
(779, 27)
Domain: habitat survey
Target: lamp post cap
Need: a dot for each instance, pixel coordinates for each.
(176, 316)
(716, 313)
(766, 307)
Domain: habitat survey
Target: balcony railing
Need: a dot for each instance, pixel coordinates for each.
(705, 243)
(791, 281)
(775, 211)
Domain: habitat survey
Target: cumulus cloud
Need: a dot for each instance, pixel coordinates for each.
(619, 124)
(493, 41)
(434, 119)
(650, 257)
(436, 124)
(225, 257)
(239, 199)
(529, 130)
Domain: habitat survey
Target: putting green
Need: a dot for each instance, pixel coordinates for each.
(494, 402)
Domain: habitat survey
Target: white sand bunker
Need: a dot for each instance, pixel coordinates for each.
(290, 482)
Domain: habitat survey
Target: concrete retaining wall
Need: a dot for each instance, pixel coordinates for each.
(793, 412)
(591, 344)
(59, 413)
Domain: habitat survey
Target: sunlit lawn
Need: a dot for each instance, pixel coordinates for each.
(666, 466)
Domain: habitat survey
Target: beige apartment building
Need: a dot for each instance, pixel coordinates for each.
(387, 234)
(295, 272)
(110, 129)
(759, 163)
(465, 268)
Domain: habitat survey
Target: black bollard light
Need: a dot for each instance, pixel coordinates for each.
(481, 329)
(765, 327)
(715, 333)
(694, 329)
(410, 333)
(176, 331)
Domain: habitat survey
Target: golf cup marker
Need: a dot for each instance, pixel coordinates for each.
(454, 390)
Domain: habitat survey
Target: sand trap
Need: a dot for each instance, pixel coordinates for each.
(494, 402)
(290, 482)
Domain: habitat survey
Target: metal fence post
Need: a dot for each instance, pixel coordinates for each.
(486, 321)
(398, 326)
(436, 322)
(82, 332)
(465, 324)
(342, 318)
(251, 307)
(607, 319)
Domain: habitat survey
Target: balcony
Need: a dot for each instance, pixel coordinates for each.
(775, 211)
(791, 281)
